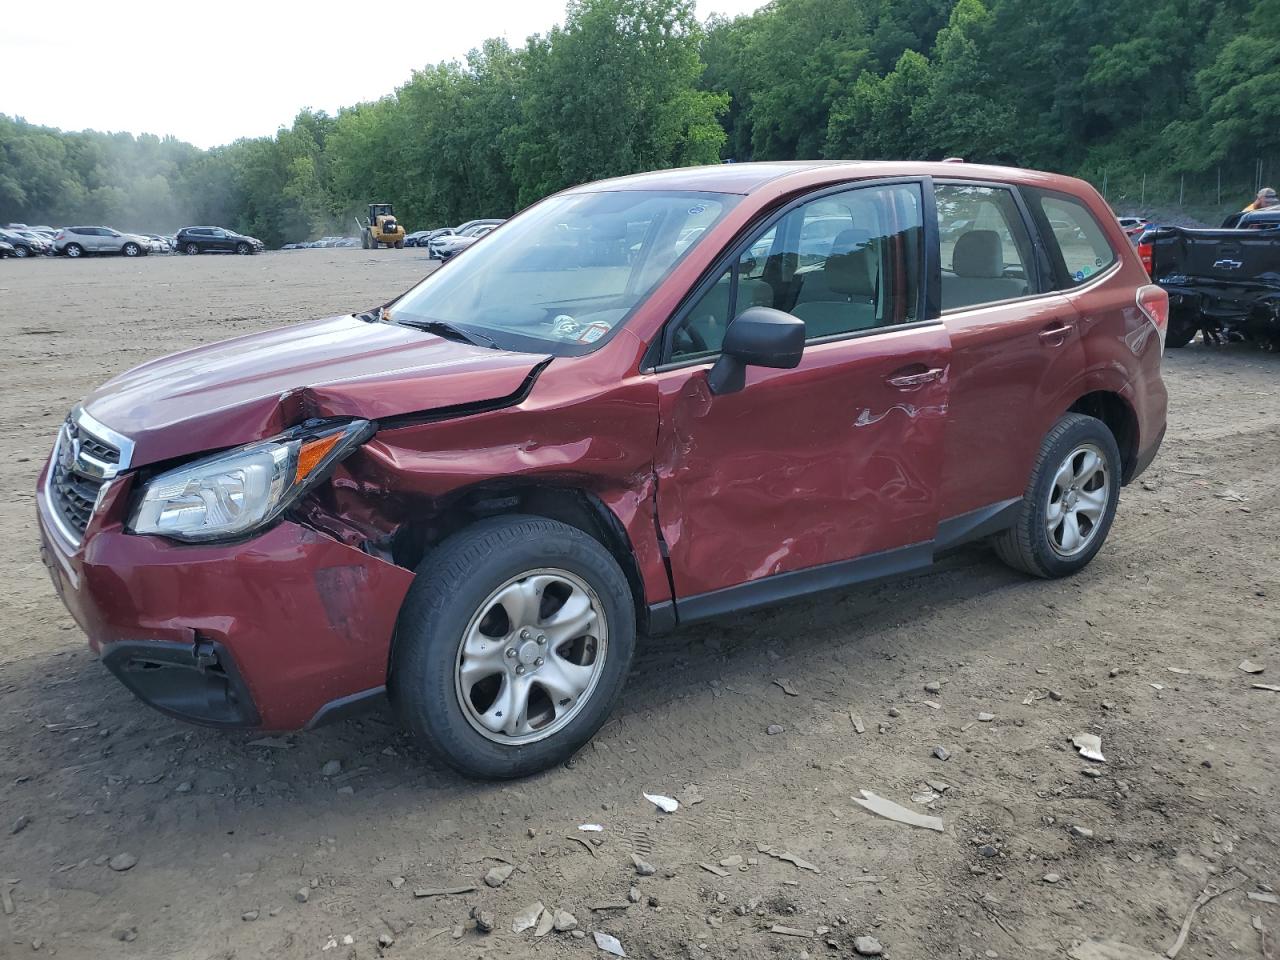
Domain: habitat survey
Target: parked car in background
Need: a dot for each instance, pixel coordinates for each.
(78, 241)
(463, 229)
(159, 244)
(6, 249)
(527, 460)
(1133, 226)
(450, 246)
(423, 237)
(25, 244)
(196, 240)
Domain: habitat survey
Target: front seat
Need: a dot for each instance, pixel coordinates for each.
(840, 297)
(977, 272)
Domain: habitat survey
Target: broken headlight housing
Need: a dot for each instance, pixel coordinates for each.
(233, 493)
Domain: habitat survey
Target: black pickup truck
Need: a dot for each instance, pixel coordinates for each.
(1225, 282)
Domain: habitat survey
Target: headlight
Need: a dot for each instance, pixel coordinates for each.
(230, 494)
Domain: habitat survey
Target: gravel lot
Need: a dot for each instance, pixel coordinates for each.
(245, 849)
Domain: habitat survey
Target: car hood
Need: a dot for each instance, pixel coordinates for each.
(256, 386)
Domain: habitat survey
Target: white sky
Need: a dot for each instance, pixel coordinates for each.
(210, 73)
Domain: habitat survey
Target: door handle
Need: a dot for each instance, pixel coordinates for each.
(1055, 336)
(909, 381)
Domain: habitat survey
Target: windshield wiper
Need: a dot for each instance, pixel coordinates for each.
(447, 330)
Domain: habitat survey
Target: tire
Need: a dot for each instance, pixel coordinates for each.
(243, 249)
(1182, 330)
(399, 244)
(73, 250)
(21, 252)
(1032, 545)
(191, 249)
(460, 591)
(366, 240)
(131, 249)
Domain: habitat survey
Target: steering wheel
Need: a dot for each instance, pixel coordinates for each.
(694, 342)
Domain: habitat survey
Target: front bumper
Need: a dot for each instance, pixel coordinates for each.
(271, 632)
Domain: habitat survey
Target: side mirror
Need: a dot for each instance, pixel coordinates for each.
(758, 337)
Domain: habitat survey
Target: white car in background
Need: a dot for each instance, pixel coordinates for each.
(77, 241)
(450, 246)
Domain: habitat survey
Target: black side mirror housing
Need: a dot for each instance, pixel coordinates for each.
(758, 337)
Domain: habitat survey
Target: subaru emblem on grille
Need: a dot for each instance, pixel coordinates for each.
(69, 452)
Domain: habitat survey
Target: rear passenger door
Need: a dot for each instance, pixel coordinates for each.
(827, 473)
(1015, 345)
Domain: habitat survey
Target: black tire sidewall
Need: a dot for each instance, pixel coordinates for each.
(1182, 330)
(440, 605)
(1081, 430)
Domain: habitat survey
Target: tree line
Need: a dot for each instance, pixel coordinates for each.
(1166, 88)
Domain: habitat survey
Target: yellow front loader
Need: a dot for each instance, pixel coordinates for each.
(380, 228)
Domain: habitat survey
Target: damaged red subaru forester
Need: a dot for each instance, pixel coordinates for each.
(638, 404)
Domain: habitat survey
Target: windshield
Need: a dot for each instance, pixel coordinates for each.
(562, 276)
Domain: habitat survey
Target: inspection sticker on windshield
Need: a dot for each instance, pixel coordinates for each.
(593, 332)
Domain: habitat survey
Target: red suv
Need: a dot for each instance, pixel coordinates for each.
(641, 403)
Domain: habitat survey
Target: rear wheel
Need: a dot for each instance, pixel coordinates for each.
(512, 646)
(1182, 329)
(1070, 503)
(131, 249)
(74, 250)
(191, 249)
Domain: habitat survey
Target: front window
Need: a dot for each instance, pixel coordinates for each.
(564, 275)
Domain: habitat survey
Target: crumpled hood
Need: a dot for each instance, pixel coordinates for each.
(255, 386)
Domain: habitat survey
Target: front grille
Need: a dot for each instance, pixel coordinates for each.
(74, 484)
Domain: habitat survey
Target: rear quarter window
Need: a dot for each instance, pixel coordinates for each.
(1075, 239)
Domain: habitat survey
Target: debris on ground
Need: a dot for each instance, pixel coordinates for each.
(526, 918)
(1248, 666)
(564, 921)
(122, 861)
(421, 892)
(941, 752)
(331, 768)
(1090, 746)
(867, 947)
(774, 729)
(785, 931)
(1270, 898)
(787, 688)
(484, 920)
(858, 726)
(498, 875)
(787, 857)
(643, 867)
(665, 804)
(892, 811)
(1205, 896)
(609, 944)
(545, 923)
(591, 828)
(1266, 686)
(712, 868)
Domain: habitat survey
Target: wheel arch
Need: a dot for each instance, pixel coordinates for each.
(566, 503)
(1121, 419)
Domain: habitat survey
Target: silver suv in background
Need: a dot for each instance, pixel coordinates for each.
(77, 241)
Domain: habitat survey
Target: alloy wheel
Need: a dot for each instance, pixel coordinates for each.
(531, 656)
(1078, 500)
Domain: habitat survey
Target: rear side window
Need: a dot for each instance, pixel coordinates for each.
(1074, 237)
(984, 244)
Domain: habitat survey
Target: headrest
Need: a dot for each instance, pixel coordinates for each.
(846, 241)
(852, 274)
(978, 253)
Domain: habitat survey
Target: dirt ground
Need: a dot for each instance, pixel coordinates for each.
(232, 835)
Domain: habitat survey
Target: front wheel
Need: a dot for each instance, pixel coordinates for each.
(243, 249)
(21, 252)
(1069, 504)
(131, 249)
(399, 244)
(512, 646)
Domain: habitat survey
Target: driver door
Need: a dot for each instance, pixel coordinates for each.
(824, 474)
